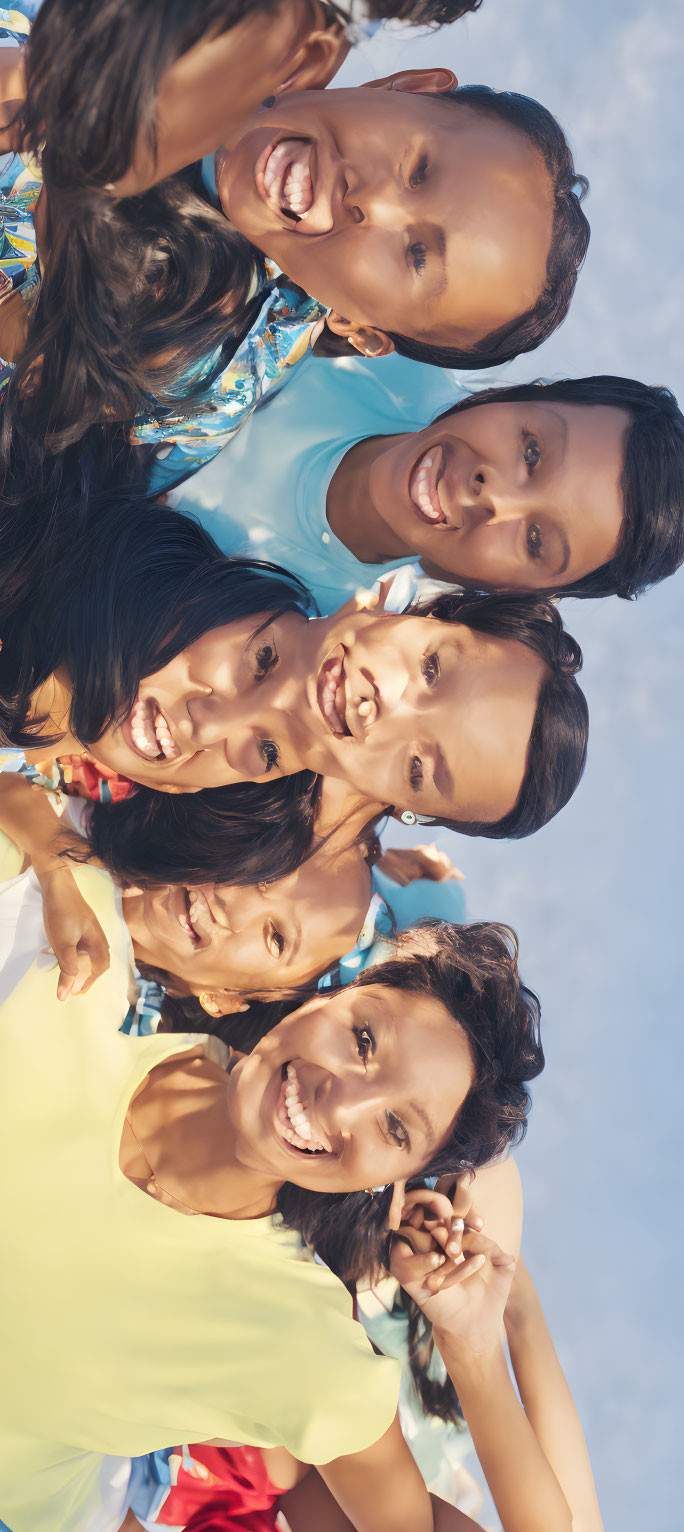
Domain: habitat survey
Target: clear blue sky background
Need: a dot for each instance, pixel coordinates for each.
(597, 896)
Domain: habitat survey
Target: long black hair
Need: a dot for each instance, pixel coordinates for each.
(569, 239)
(138, 585)
(250, 832)
(651, 543)
(557, 750)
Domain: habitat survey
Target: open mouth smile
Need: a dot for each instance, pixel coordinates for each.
(148, 733)
(284, 180)
(294, 1119)
(331, 693)
(425, 484)
(194, 916)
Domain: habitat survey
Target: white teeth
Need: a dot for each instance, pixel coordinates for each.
(424, 491)
(287, 181)
(295, 1123)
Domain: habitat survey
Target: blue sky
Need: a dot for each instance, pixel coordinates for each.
(597, 896)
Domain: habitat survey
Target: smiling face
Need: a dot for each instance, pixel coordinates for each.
(426, 715)
(405, 710)
(198, 722)
(269, 937)
(507, 496)
(409, 214)
(354, 1089)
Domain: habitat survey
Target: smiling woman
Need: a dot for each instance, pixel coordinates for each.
(180, 1164)
(466, 709)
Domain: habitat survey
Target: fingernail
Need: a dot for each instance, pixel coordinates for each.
(457, 1225)
(436, 1260)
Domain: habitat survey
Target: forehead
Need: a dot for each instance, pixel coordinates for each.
(494, 197)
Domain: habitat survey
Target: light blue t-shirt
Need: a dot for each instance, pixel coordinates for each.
(265, 495)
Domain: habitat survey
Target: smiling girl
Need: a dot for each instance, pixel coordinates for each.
(466, 710)
(180, 1166)
(574, 487)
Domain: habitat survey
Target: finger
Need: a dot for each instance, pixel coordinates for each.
(452, 1275)
(460, 1191)
(71, 972)
(97, 948)
(420, 1240)
(436, 1205)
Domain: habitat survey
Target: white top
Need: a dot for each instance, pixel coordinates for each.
(264, 496)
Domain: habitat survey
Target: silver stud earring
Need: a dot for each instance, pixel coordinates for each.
(408, 817)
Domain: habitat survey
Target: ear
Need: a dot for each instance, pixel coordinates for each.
(315, 64)
(417, 82)
(222, 1002)
(363, 338)
(396, 1205)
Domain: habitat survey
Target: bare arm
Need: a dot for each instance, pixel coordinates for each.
(465, 1302)
(381, 1490)
(75, 935)
(548, 1402)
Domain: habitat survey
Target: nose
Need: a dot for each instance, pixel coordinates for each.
(372, 196)
(493, 499)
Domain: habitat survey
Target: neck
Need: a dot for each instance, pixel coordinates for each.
(351, 514)
(343, 813)
(185, 1126)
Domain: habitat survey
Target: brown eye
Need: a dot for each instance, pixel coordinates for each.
(397, 1130)
(418, 254)
(532, 452)
(430, 668)
(365, 1042)
(419, 175)
(269, 753)
(266, 659)
(416, 773)
(535, 546)
(275, 941)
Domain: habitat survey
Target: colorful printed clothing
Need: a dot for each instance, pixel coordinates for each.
(279, 337)
(203, 1486)
(20, 187)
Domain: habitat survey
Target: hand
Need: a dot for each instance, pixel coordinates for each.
(407, 864)
(73, 931)
(460, 1280)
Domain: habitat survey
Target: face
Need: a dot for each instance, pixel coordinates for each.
(199, 721)
(269, 937)
(398, 211)
(353, 1090)
(426, 715)
(507, 496)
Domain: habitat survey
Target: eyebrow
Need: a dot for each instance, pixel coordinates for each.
(425, 1121)
(566, 553)
(297, 941)
(439, 239)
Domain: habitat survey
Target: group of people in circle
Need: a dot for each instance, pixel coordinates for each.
(272, 578)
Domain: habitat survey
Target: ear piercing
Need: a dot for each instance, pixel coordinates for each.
(408, 817)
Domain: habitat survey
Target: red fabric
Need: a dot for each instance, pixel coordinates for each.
(83, 778)
(226, 1490)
